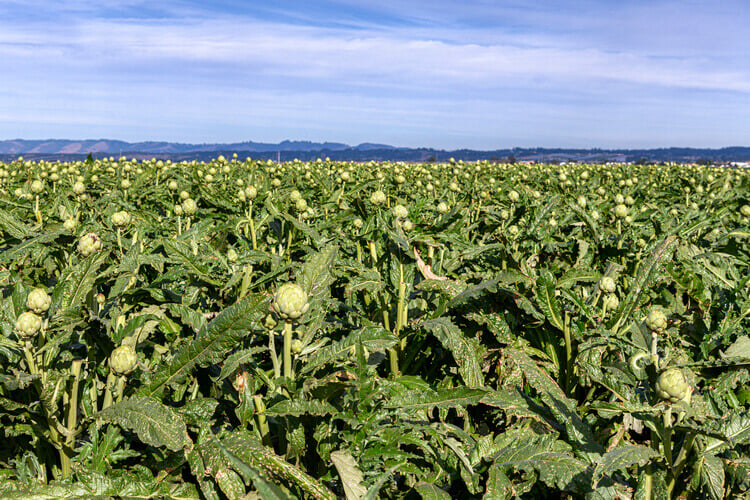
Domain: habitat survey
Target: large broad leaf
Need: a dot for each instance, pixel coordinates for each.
(562, 408)
(467, 351)
(17, 252)
(545, 298)
(316, 278)
(270, 467)
(648, 273)
(264, 488)
(181, 253)
(95, 485)
(373, 338)
(458, 397)
(212, 343)
(550, 458)
(154, 423)
(735, 430)
(712, 476)
(14, 227)
(76, 282)
(429, 491)
(622, 457)
(739, 349)
(351, 477)
(301, 407)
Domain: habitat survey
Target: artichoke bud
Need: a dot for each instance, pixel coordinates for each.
(28, 325)
(38, 301)
(123, 360)
(656, 321)
(290, 302)
(672, 386)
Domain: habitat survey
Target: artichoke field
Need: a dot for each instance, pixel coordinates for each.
(248, 329)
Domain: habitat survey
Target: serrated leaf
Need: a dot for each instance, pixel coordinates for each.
(19, 251)
(373, 338)
(180, 253)
(154, 423)
(14, 227)
(429, 491)
(735, 430)
(740, 348)
(713, 477)
(466, 351)
(549, 458)
(76, 282)
(458, 397)
(575, 275)
(212, 342)
(648, 273)
(562, 408)
(301, 407)
(621, 457)
(544, 291)
(248, 448)
(265, 489)
(351, 477)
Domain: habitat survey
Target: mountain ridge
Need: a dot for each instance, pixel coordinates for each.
(307, 150)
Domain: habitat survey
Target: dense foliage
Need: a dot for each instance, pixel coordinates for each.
(382, 330)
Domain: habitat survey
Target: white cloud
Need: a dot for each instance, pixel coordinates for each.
(569, 77)
(341, 58)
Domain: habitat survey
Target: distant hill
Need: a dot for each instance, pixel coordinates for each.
(62, 149)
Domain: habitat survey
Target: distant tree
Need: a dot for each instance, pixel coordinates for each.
(642, 161)
(431, 159)
(511, 159)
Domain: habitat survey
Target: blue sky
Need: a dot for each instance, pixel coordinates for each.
(474, 74)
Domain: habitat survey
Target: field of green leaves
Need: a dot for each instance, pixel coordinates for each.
(246, 329)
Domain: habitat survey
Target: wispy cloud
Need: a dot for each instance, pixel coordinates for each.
(422, 68)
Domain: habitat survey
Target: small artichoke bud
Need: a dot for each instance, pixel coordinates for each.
(232, 256)
(672, 386)
(70, 224)
(38, 301)
(270, 322)
(378, 198)
(442, 207)
(400, 212)
(296, 346)
(121, 218)
(607, 285)
(189, 206)
(611, 301)
(656, 321)
(290, 301)
(28, 325)
(37, 187)
(621, 211)
(123, 360)
(89, 244)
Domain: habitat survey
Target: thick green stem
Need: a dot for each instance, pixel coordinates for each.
(246, 278)
(109, 388)
(274, 357)
(262, 421)
(120, 389)
(66, 452)
(252, 229)
(568, 353)
(288, 331)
